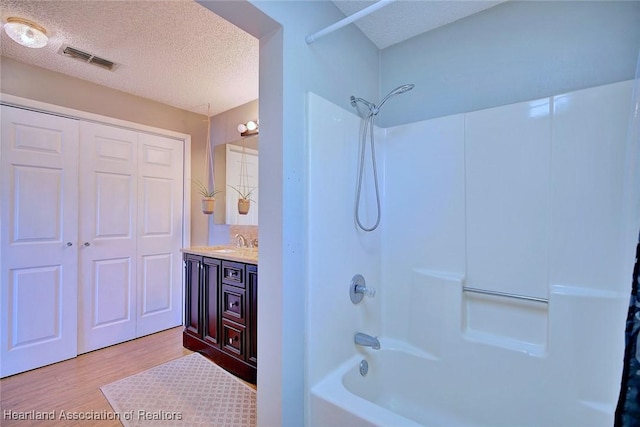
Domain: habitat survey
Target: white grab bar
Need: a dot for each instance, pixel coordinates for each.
(505, 295)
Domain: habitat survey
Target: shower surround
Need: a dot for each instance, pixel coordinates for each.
(523, 199)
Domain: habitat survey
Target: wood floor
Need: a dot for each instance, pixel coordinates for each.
(73, 386)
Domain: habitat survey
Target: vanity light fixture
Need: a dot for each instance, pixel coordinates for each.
(25, 32)
(249, 128)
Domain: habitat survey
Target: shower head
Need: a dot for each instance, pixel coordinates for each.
(401, 89)
(396, 91)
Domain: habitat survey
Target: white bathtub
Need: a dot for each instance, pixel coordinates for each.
(405, 387)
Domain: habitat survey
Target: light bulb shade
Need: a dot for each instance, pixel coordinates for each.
(26, 33)
(251, 126)
(242, 128)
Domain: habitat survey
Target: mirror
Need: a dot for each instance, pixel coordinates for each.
(227, 161)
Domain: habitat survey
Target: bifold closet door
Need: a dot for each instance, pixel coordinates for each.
(38, 239)
(131, 234)
(108, 234)
(160, 218)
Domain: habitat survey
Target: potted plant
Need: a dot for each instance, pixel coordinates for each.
(208, 197)
(244, 201)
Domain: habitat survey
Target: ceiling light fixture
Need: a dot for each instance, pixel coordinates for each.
(26, 33)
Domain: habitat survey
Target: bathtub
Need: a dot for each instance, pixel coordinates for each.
(407, 387)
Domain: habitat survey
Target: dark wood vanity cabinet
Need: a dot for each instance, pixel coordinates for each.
(252, 279)
(221, 312)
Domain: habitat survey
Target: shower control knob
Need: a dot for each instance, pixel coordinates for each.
(358, 289)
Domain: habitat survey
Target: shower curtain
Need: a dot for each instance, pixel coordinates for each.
(628, 410)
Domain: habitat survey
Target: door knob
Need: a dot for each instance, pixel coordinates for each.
(69, 244)
(87, 244)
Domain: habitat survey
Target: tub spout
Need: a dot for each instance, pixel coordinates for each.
(366, 341)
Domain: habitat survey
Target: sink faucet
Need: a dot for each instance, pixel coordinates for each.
(241, 242)
(366, 341)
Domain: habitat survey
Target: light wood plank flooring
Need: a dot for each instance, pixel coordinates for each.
(73, 386)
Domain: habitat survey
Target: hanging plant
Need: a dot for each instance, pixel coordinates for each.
(208, 197)
(208, 194)
(243, 189)
(244, 201)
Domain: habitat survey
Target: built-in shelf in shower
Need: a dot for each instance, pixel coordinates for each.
(509, 323)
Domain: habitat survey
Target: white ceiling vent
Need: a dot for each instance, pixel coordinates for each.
(87, 57)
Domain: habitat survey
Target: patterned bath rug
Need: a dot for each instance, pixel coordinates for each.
(189, 391)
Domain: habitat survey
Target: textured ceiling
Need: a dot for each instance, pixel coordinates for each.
(179, 53)
(174, 52)
(404, 19)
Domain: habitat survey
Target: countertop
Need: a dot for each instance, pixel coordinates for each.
(226, 252)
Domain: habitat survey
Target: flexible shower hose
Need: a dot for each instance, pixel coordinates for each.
(368, 126)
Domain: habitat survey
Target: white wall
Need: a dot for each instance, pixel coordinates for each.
(516, 51)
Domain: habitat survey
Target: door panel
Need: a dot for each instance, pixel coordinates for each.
(160, 183)
(108, 270)
(156, 295)
(157, 199)
(110, 205)
(34, 324)
(211, 292)
(45, 186)
(38, 239)
(111, 304)
(192, 296)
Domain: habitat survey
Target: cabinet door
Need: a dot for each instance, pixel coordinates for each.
(192, 311)
(252, 278)
(211, 291)
(38, 239)
(108, 192)
(160, 220)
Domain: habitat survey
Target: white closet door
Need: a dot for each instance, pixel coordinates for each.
(160, 216)
(108, 200)
(38, 234)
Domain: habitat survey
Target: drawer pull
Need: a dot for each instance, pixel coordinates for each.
(232, 304)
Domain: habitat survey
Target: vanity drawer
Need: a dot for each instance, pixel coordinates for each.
(233, 339)
(233, 273)
(234, 304)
